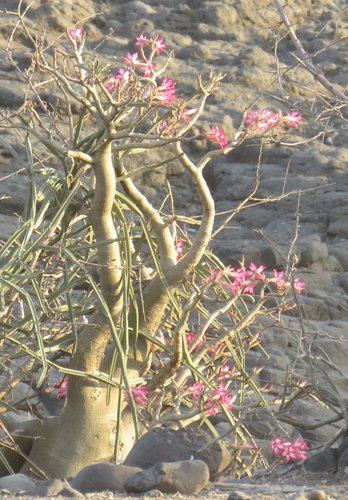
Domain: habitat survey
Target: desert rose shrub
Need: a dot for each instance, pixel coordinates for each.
(145, 324)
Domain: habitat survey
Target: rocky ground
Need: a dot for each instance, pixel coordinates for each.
(239, 38)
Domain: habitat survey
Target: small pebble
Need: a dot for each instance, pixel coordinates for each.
(317, 495)
(238, 495)
(154, 494)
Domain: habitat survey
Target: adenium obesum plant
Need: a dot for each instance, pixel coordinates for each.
(150, 287)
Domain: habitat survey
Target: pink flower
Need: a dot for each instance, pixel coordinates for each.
(142, 40)
(179, 248)
(239, 273)
(139, 394)
(190, 337)
(258, 271)
(216, 348)
(111, 84)
(278, 279)
(76, 35)
(288, 452)
(165, 92)
(62, 388)
(184, 114)
(158, 45)
(293, 119)
(300, 449)
(276, 446)
(251, 118)
(196, 389)
(217, 397)
(225, 372)
(299, 285)
(131, 60)
(217, 135)
(147, 67)
(123, 75)
(54, 255)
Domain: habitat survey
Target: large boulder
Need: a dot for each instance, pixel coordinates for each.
(168, 445)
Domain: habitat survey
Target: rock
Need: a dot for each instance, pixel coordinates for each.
(51, 487)
(17, 483)
(341, 255)
(70, 493)
(187, 477)
(238, 495)
(298, 496)
(324, 461)
(103, 476)
(168, 445)
(311, 250)
(343, 281)
(317, 495)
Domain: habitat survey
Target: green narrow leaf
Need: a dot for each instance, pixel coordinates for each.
(35, 318)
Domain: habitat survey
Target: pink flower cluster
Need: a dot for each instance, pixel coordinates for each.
(216, 397)
(115, 80)
(156, 43)
(289, 451)
(217, 135)
(165, 92)
(190, 337)
(139, 394)
(61, 388)
(132, 60)
(245, 280)
(263, 120)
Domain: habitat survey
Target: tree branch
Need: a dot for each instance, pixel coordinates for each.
(306, 58)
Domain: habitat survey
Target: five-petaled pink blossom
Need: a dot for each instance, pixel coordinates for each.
(61, 388)
(179, 248)
(142, 40)
(123, 75)
(258, 271)
(131, 60)
(165, 92)
(158, 45)
(278, 279)
(139, 394)
(299, 285)
(293, 119)
(147, 67)
(196, 389)
(184, 114)
(76, 35)
(217, 135)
